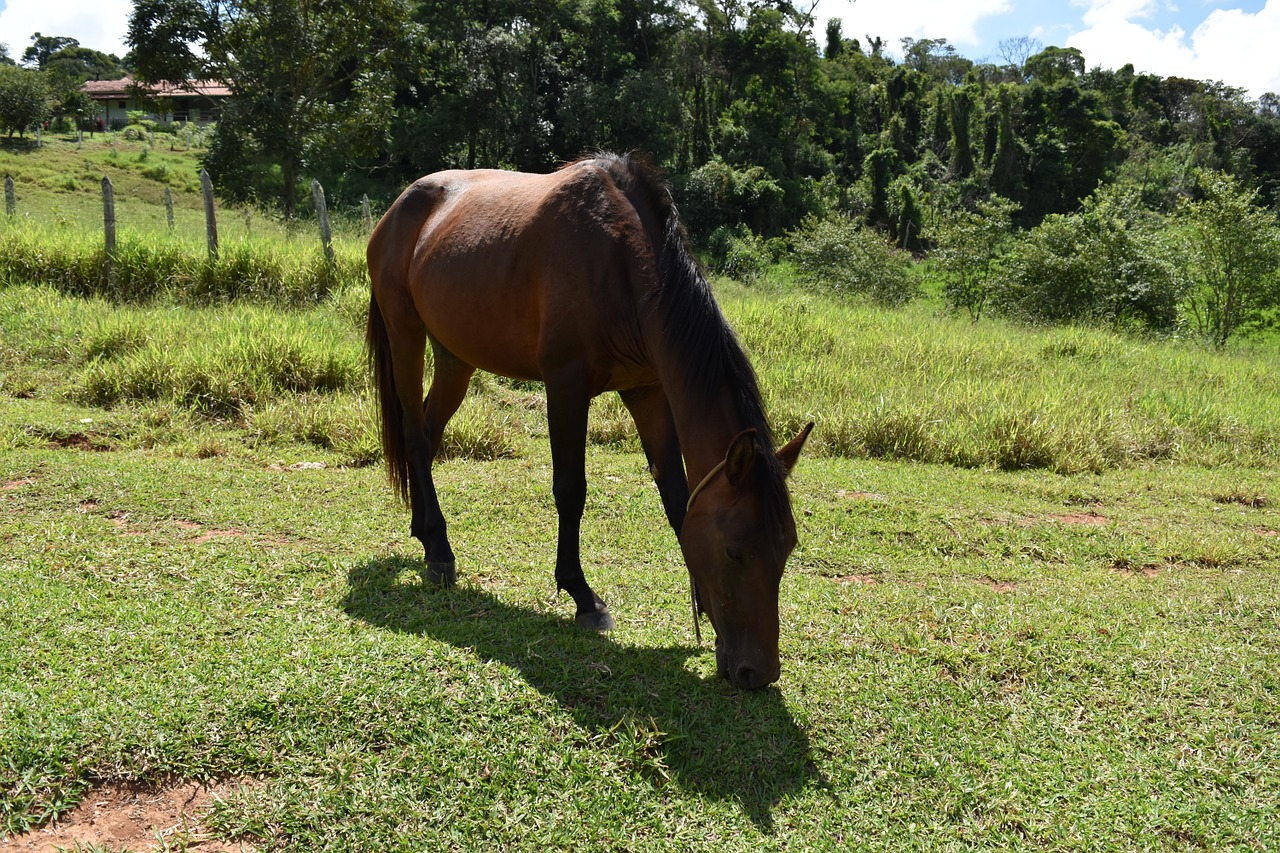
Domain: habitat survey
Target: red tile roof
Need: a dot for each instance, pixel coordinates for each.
(126, 86)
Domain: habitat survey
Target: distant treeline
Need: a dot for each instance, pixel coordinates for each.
(759, 120)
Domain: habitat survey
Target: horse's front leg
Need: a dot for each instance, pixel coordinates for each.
(567, 408)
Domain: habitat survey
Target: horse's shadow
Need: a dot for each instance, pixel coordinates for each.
(711, 739)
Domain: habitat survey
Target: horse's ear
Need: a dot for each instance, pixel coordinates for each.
(791, 452)
(741, 458)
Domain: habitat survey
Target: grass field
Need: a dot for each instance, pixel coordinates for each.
(1035, 603)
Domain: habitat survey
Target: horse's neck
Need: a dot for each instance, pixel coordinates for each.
(705, 425)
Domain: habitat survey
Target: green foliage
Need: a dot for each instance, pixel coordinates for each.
(1235, 260)
(23, 99)
(968, 246)
(716, 195)
(740, 254)
(839, 256)
(1113, 263)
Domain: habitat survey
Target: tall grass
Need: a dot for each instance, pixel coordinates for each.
(155, 266)
(169, 326)
(908, 383)
(913, 383)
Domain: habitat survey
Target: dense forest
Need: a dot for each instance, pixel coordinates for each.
(758, 119)
(767, 129)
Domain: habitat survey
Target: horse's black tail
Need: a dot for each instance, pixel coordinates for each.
(391, 412)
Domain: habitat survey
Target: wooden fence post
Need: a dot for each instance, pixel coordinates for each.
(366, 213)
(322, 214)
(10, 202)
(168, 207)
(109, 227)
(210, 221)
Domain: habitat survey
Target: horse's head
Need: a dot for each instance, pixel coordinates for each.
(736, 538)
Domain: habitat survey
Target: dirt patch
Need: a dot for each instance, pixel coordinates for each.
(1266, 531)
(135, 817)
(869, 580)
(1086, 518)
(1146, 570)
(998, 586)
(861, 496)
(10, 485)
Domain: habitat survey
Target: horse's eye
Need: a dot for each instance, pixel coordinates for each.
(734, 553)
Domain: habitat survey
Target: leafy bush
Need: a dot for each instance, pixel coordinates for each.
(1111, 262)
(837, 255)
(739, 253)
(23, 98)
(717, 195)
(1234, 250)
(969, 246)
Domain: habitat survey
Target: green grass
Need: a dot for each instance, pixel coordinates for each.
(1034, 605)
(962, 665)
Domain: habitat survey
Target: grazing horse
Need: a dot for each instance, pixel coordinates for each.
(582, 279)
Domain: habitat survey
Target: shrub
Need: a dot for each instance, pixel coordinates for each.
(969, 246)
(1108, 263)
(837, 255)
(738, 253)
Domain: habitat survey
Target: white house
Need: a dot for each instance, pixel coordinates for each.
(196, 100)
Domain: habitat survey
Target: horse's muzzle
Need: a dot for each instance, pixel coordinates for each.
(747, 672)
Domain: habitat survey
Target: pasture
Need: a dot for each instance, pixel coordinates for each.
(1034, 604)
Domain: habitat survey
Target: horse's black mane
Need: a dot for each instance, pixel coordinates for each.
(692, 321)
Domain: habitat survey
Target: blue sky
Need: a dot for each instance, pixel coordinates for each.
(1234, 41)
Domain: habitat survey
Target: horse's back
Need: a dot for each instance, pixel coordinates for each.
(515, 273)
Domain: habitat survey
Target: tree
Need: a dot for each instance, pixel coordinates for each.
(1055, 63)
(1235, 260)
(970, 244)
(24, 99)
(5, 59)
(1108, 263)
(42, 49)
(1016, 51)
(82, 63)
(308, 78)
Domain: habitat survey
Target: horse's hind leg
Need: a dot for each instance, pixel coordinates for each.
(408, 341)
(449, 381)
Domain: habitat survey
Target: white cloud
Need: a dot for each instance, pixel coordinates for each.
(1102, 12)
(1230, 45)
(894, 19)
(1239, 47)
(97, 24)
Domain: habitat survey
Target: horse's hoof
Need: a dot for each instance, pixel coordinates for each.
(596, 620)
(441, 575)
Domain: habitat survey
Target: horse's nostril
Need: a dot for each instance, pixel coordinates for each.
(748, 678)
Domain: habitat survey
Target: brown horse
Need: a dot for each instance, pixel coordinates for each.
(583, 280)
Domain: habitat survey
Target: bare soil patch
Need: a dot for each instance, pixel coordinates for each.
(1146, 570)
(869, 580)
(861, 496)
(142, 818)
(10, 485)
(1086, 518)
(998, 586)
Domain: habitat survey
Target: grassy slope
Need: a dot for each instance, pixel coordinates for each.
(971, 657)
